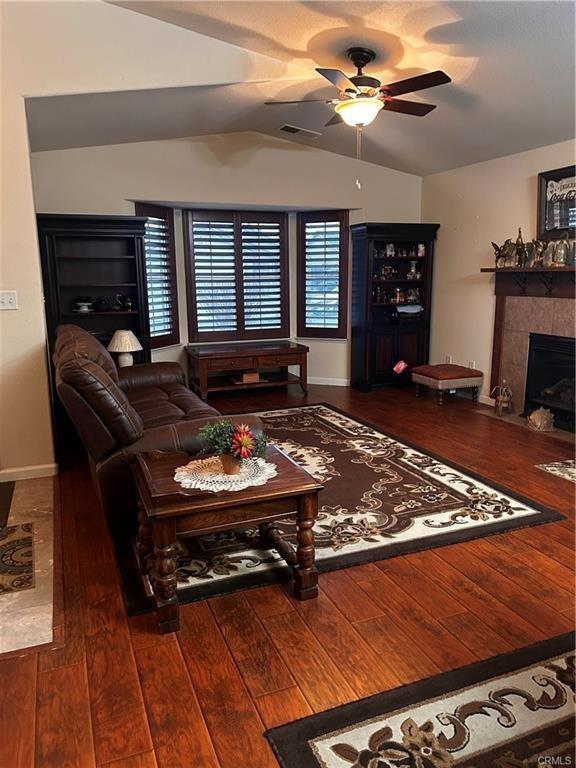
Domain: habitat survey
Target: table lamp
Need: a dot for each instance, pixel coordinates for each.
(125, 343)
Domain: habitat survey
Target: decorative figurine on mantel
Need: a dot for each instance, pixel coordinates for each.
(521, 252)
(523, 255)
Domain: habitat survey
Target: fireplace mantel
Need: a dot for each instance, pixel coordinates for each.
(536, 282)
(554, 282)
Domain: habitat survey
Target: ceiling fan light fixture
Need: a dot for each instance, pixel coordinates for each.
(359, 111)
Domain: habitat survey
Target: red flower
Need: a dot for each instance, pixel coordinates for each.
(243, 443)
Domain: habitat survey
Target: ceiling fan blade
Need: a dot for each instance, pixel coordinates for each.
(338, 79)
(334, 120)
(301, 101)
(408, 107)
(418, 83)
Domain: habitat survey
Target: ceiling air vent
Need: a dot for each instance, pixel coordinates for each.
(301, 131)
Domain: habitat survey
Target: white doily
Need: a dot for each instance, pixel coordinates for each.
(207, 475)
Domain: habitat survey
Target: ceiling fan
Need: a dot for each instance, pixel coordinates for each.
(362, 97)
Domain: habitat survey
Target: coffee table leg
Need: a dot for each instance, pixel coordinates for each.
(144, 544)
(305, 573)
(163, 575)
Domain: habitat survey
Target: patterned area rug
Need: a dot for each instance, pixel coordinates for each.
(16, 558)
(565, 469)
(512, 711)
(381, 498)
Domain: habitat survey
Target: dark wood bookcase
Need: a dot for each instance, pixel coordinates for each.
(100, 257)
(96, 256)
(390, 306)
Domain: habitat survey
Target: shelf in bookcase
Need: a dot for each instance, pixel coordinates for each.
(110, 312)
(400, 258)
(98, 285)
(401, 280)
(393, 304)
(66, 257)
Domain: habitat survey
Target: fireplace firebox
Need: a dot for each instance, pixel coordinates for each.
(550, 378)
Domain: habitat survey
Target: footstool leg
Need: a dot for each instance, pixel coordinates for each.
(440, 397)
(305, 573)
(475, 394)
(417, 390)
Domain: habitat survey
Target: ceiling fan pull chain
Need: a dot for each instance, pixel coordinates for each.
(358, 142)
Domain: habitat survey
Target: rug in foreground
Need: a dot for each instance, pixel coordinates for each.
(565, 469)
(16, 558)
(512, 711)
(381, 498)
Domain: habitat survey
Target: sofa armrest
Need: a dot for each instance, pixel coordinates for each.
(150, 374)
(183, 435)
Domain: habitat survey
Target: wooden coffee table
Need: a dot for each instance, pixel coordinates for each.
(167, 511)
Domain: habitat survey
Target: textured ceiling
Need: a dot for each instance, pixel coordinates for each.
(512, 65)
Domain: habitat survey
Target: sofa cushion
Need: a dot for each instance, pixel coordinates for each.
(167, 403)
(103, 398)
(74, 343)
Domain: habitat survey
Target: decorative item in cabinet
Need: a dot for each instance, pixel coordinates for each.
(390, 314)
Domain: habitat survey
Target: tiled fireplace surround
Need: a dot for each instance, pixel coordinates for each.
(524, 315)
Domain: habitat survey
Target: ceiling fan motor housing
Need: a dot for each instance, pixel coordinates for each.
(360, 57)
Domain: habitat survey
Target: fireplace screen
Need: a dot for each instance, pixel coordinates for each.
(550, 377)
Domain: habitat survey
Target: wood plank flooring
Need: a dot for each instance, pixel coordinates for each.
(116, 693)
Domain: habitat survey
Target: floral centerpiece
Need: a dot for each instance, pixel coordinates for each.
(232, 443)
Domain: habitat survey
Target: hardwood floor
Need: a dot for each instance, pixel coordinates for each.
(116, 693)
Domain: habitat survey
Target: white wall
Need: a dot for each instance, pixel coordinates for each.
(60, 48)
(475, 205)
(247, 169)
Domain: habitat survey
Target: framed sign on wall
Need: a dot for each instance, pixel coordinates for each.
(557, 203)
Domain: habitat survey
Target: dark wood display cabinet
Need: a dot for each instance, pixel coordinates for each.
(391, 298)
(100, 258)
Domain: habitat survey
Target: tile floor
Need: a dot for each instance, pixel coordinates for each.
(26, 616)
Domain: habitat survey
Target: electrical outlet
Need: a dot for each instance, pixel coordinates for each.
(448, 359)
(8, 300)
(471, 363)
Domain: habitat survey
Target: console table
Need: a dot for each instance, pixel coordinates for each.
(211, 365)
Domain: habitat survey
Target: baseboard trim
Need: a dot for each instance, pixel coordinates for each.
(330, 382)
(485, 400)
(28, 472)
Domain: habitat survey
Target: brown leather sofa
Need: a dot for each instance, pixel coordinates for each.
(121, 412)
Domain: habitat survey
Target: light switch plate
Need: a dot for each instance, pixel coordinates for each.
(8, 300)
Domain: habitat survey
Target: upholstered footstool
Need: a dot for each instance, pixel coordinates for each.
(445, 377)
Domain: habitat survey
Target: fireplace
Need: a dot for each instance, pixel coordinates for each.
(550, 377)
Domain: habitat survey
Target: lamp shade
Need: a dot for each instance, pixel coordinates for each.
(359, 111)
(124, 341)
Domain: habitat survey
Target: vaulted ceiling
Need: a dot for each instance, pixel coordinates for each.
(512, 66)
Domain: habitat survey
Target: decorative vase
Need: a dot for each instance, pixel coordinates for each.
(230, 464)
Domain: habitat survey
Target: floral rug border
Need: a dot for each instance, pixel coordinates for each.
(292, 742)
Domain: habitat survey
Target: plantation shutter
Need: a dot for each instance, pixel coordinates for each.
(214, 276)
(322, 274)
(237, 275)
(263, 273)
(160, 275)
